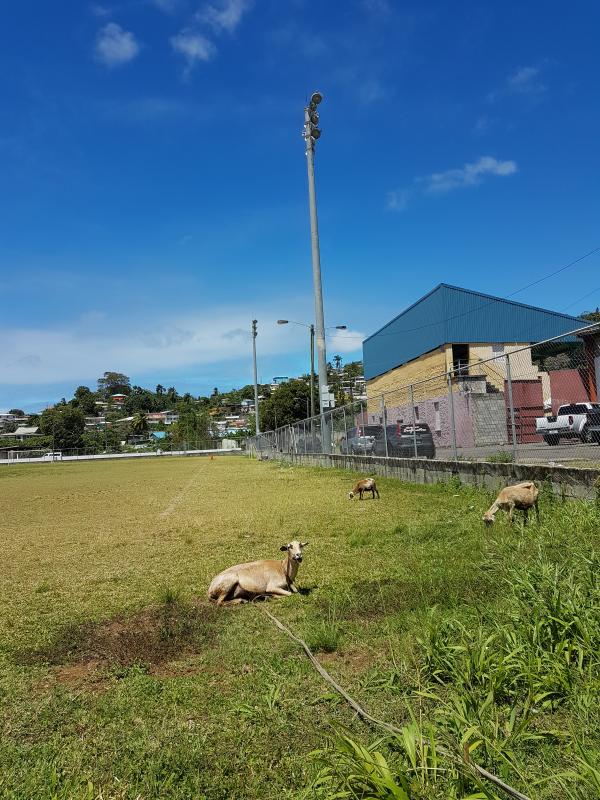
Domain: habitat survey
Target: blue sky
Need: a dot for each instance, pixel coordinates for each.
(153, 180)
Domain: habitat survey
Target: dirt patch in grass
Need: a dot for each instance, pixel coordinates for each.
(152, 637)
(358, 659)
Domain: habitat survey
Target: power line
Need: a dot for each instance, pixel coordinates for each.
(579, 299)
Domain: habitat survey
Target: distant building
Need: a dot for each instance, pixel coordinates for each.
(278, 381)
(166, 417)
(22, 433)
(118, 400)
(12, 419)
(95, 423)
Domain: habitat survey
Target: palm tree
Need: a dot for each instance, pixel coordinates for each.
(139, 423)
(337, 362)
(160, 389)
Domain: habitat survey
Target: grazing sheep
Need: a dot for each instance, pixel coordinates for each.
(245, 582)
(523, 496)
(365, 485)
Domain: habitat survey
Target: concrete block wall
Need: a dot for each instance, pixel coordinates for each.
(564, 481)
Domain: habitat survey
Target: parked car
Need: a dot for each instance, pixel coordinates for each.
(573, 421)
(401, 440)
(359, 441)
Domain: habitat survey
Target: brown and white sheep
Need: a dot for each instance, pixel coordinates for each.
(364, 485)
(522, 496)
(245, 582)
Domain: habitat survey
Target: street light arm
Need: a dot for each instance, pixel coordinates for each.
(292, 322)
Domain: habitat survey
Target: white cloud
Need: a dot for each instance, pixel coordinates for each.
(344, 342)
(442, 182)
(193, 46)
(397, 200)
(99, 11)
(468, 175)
(116, 46)
(482, 125)
(90, 346)
(224, 14)
(526, 81)
(370, 91)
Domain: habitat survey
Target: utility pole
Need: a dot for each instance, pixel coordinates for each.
(312, 371)
(255, 376)
(311, 133)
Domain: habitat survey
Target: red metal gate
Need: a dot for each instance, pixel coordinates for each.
(528, 401)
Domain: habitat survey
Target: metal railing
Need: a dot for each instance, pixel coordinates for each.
(501, 405)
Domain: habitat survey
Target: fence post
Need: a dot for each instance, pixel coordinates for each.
(345, 429)
(362, 426)
(452, 421)
(414, 421)
(384, 424)
(511, 408)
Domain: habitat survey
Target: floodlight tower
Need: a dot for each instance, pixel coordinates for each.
(310, 134)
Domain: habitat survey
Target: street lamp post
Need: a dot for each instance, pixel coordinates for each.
(311, 133)
(256, 417)
(312, 354)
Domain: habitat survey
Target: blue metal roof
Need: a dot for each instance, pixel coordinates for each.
(449, 315)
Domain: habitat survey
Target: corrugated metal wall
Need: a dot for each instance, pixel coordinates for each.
(449, 314)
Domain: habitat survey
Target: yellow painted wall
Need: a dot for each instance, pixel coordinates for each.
(430, 366)
(393, 383)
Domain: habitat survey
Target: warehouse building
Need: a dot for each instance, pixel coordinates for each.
(454, 330)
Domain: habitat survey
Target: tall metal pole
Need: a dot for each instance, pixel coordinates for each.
(384, 424)
(256, 417)
(414, 421)
(511, 407)
(311, 134)
(312, 370)
(452, 420)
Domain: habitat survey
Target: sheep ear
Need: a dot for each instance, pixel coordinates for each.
(283, 547)
(303, 544)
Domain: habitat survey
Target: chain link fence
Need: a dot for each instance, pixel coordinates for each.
(534, 404)
(10, 455)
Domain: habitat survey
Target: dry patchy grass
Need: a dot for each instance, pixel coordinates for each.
(119, 680)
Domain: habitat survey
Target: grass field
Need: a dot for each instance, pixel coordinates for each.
(118, 680)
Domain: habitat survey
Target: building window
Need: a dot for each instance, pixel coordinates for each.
(417, 413)
(438, 421)
(497, 348)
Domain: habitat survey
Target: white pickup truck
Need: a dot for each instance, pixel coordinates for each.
(573, 421)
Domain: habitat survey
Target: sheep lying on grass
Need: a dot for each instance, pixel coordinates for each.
(523, 496)
(245, 582)
(365, 485)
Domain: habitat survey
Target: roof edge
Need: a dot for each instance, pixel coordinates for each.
(477, 294)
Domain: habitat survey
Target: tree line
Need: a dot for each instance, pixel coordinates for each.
(63, 427)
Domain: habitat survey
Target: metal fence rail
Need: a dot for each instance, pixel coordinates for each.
(528, 404)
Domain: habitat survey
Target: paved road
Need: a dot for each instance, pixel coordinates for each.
(533, 453)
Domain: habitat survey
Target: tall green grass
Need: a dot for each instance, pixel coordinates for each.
(511, 686)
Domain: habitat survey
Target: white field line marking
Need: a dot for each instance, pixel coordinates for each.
(179, 497)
